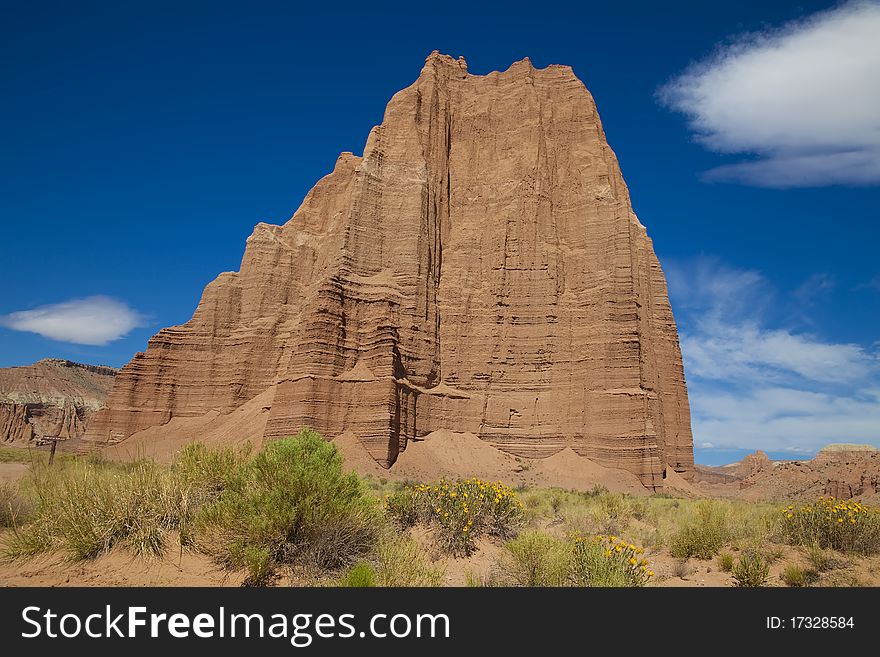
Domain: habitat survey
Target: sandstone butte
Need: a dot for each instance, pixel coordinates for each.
(52, 397)
(479, 269)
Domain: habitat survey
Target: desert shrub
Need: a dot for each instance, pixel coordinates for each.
(359, 575)
(407, 506)
(614, 511)
(14, 508)
(290, 504)
(85, 508)
(536, 559)
(608, 561)
(828, 523)
(208, 471)
(751, 569)
(460, 511)
(798, 576)
(557, 499)
(821, 559)
(400, 561)
(725, 561)
(703, 534)
(595, 491)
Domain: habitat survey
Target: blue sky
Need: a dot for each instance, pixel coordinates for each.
(141, 142)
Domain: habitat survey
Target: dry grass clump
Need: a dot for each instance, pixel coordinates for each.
(751, 569)
(725, 561)
(85, 508)
(797, 576)
(14, 509)
(704, 533)
(535, 559)
(538, 559)
(400, 561)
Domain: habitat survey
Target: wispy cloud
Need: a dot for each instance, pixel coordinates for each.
(786, 419)
(815, 288)
(757, 384)
(803, 99)
(95, 320)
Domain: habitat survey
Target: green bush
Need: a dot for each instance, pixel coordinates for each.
(360, 575)
(702, 535)
(536, 559)
(557, 499)
(725, 561)
(751, 569)
(290, 504)
(460, 511)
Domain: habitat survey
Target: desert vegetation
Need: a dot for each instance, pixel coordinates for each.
(290, 513)
(460, 511)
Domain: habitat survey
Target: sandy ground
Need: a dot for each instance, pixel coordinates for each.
(10, 472)
(450, 454)
(245, 424)
(119, 568)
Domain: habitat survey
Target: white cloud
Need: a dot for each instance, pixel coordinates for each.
(804, 99)
(786, 419)
(725, 337)
(746, 351)
(757, 385)
(93, 320)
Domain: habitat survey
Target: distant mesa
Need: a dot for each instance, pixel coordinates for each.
(479, 270)
(52, 397)
(847, 447)
(843, 471)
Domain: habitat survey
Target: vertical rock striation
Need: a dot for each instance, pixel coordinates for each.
(479, 269)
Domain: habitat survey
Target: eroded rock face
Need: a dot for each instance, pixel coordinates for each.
(754, 463)
(479, 269)
(52, 397)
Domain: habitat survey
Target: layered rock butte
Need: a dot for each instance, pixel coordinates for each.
(479, 269)
(52, 397)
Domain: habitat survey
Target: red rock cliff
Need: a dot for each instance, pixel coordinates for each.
(479, 269)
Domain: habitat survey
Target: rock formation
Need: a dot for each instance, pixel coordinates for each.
(840, 470)
(52, 397)
(753, 464)
(479, 269)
